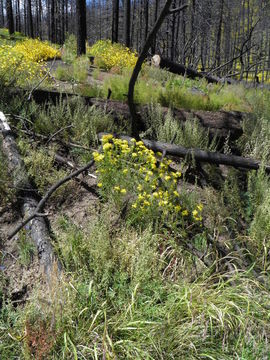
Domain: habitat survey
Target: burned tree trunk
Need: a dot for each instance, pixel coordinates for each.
(10, 20)
(180, 69)
(199, 155)
(81, 26)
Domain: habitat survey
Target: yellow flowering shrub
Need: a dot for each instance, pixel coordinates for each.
(23, 62)
(109, 56)
(36, 50)
(133, 171)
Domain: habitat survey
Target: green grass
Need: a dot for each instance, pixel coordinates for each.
(134, 290)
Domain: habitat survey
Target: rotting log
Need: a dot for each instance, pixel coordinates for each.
(37, 228)
(222, 124)
(180, 69)
(198, 154)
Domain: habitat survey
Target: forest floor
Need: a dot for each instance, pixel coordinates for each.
(162, 257)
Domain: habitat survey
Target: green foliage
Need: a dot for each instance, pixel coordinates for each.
(5, 192)
(39, 164)
(190, 134)
(26, 248)
(69, 49)
(77, 72)
(73, 119)
(64, 73)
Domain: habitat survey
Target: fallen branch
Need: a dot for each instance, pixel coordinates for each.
(40, 206)
(199, 155)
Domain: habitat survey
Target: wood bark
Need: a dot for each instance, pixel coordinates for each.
(30, 19)
(115, 21)
(37, 228)
(127, 23)
(180, 69)
(198, 154)
(81, 26)
(10, 20)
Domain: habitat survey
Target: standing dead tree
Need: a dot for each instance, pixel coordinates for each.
(136, 124)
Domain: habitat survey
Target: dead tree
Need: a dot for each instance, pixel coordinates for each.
(81, 26)
(136, 124)
(10, 20)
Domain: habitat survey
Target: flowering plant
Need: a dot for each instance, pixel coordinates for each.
(24, 61)
(112, 56)
(134, 173)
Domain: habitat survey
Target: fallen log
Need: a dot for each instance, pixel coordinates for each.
(222, 124)
(198, 155)
(37, 229)
(180, 69)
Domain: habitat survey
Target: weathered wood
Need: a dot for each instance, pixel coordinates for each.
(220, 123)
(37, 228)
(180, 69)
(199, 155)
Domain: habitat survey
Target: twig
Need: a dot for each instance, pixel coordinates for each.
(46, 197)
(58, 132)
(41, 81)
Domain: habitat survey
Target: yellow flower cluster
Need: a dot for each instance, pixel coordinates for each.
(36, 50)
(133, 168)
(22, 62)
(108, 55)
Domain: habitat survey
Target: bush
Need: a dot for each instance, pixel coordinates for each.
(153, 191)
(112, 56)
(21, 63)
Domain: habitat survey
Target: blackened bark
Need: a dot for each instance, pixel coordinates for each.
(153, 47)
(52, 25)
(183, 70)
(146, 19)
(2, 18)
(81, 26)
(115, 21)
(127, 23)
(30, 19)
(10, 20)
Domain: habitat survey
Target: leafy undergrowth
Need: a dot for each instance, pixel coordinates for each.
(144, 277)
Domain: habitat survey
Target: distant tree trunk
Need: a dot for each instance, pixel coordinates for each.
(81, 26)
(10, 20)
(146, 19)
(52, 25)
(172, 52)
(30, 19)
(2, 18)
(115, 21)
(153, 47)
(219, 33)
(18, 16)
(127, 23)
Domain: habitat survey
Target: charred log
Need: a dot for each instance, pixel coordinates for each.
(180, 69)
(200, 155)
(37, 228)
